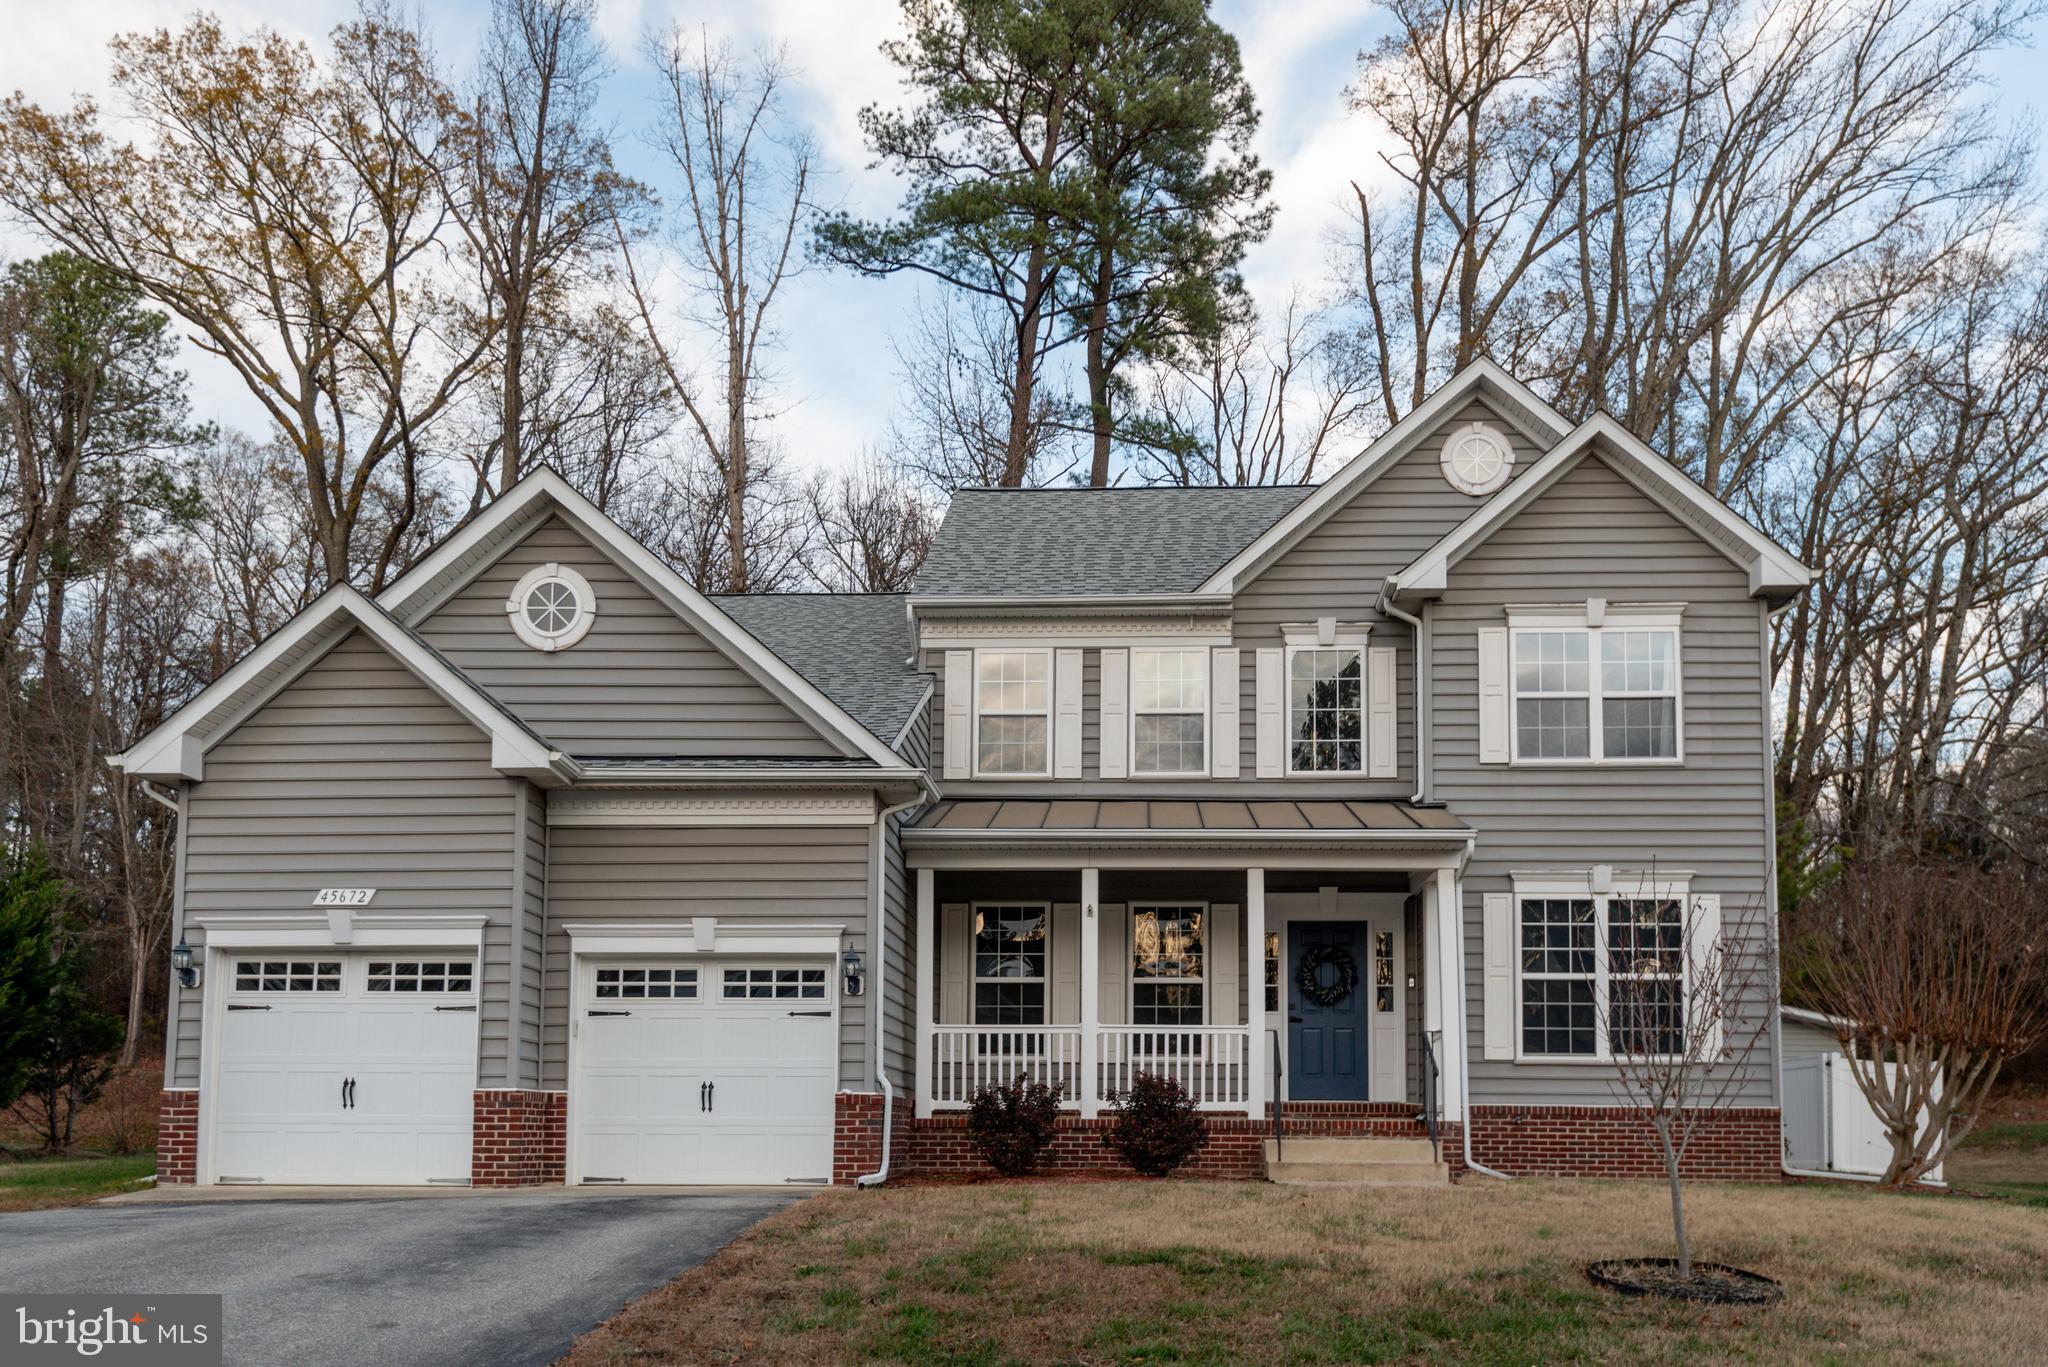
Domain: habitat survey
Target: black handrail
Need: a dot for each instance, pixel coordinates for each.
(1276, 1094)
(1429, 1076)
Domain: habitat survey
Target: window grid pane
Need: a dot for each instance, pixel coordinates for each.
(773, 984)
(1559, 960)
(1010, 964)
(1013, 720)
(288, 975)
(420, 975)
(666, 982)
(1169, 710)
(1646, 972)
(1325, 711)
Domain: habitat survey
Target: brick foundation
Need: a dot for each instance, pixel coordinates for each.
(1742, 1144)
(518, 1138)
(1565, 1141)
(177, 1137)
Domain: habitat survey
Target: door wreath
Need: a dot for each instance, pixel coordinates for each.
(1319, 989)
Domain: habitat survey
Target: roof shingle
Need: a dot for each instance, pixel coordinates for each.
(856, 647)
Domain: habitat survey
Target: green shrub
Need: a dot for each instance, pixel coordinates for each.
(1154, 1126)
(1011, 1124)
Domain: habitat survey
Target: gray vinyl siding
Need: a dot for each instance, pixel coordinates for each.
(533, 904)
(357, 775)
(1335, 570)
(1595, 535)
(899, 987)
(643, 682)
(618, 874)
(1797, 1039)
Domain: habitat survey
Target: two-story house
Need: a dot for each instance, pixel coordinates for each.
(543, 866)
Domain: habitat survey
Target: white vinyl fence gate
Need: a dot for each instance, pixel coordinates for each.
(1829, 1126)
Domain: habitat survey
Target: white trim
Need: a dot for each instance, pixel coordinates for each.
(1669, 884)
(1066, 719)
(1487, 434)
(755, 659)
(1282, 910)
(976, 714)
(1226, 697)
(605, 808)
(293, 930)
(523, 626)
(1044, 980)
(1203, 674)
(172, 751)
(1593, 620)
(1481, 378)
(1022, 633)
(1774, 573)
(748, 939)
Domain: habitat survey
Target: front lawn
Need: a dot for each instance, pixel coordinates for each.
(42, 1182)
(1134, 1272)
(2007, 1158)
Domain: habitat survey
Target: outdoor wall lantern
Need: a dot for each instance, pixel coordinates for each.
(854, 980)
(181, 959)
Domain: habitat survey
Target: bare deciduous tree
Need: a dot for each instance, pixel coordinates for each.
(872, 528)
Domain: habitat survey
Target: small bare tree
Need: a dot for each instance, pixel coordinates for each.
(1684, 1015)
(1938, 977)
(871, 528)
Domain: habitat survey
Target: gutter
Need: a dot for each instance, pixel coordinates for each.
(878, 993)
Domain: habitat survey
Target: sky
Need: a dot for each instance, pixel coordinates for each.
(835, 367)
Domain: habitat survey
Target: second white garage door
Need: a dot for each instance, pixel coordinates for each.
(692, 1071)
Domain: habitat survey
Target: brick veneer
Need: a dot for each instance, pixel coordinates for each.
(1742, 1144)
(177, 1137)
(519, 1138)
(1583, 1141)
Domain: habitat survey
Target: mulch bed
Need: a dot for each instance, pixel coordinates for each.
(1710, 1283)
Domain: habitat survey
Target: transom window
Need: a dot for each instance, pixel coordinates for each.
(552, 607)
(774, 984)
(1009, 965)
(1169, 711)
(420, 975)
(1013, 712)
(287, 975)
(1325, 710)
(1599, 695)
(1601, 975)
(666, 981)
(1167, 964)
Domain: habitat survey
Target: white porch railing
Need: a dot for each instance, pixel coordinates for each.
(966, 1058)
(1213, 1062)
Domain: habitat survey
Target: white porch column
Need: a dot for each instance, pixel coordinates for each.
(925, 971)
(1449, 971)
(1259, 1061)
(1091, 989)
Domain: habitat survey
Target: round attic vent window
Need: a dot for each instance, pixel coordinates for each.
(1478, 459)
(552, 608)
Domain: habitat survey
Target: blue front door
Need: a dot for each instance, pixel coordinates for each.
(1326, 1043)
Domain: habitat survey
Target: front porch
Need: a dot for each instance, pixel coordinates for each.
(1053, 946)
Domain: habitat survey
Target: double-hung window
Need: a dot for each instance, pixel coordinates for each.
(1601, 974)
(1326, 709)
(1010, 964)
(1169, 712)
(1013, 713)
(1168, 966)
(1605, 693)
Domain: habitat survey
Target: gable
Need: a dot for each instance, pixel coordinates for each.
(642, 682)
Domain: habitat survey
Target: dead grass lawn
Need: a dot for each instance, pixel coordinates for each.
(1134, 1272)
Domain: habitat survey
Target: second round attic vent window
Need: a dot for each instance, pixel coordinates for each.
(552, 608)
(1478, 459)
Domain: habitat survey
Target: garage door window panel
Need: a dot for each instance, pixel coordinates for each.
(437, 976)
(287, 975)
(774, 984)
(658, 983)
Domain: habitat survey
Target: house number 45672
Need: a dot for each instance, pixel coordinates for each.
(343, 897)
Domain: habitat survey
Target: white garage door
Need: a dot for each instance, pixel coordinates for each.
(346, 1068)
(695, 1071)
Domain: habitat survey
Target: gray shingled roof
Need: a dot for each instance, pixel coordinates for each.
(1162, 539)
(856, 647)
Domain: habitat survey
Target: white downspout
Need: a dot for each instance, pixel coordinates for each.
(1421, 750)
(1465, 1054)
(878, 976)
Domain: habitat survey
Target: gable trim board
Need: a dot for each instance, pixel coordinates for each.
(175, 749)
(1509, 397)
(1773, 573)
(419, 590)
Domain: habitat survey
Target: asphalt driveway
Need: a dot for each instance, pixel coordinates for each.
(500, 1278)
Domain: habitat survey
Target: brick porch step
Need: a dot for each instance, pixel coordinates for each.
(1323, 1161)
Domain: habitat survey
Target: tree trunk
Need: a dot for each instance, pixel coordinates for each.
(735, 462)
(1679, 1234)
(1098, 368)
(510, 435)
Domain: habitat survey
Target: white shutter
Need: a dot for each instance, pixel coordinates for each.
(1272, 715)
(1498, 953)
(1066, 714)
(1493, 695)
(1383, 757)
(958, 739)
(1115, 705)
(1065, 952)
(1704, 956)
(1113, 924)
(956, 957)
(1223, 690)
(1225, 949)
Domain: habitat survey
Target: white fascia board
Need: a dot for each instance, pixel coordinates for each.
(766, 667)
(1774, 573)
(1063, 605)
(1395, 442)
